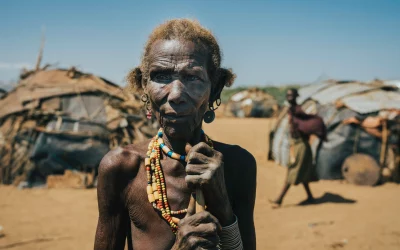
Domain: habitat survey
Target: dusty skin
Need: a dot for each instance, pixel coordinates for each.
(345, 216)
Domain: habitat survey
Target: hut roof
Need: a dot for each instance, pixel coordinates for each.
(358, 96)
(50, 83)
(392, 83)
(372, 101)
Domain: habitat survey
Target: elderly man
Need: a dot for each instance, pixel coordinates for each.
(146, 191)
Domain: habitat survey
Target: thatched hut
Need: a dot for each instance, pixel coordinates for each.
(59, 119)
(361, 119)
(252, 102)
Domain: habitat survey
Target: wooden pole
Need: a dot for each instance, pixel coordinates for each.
(39, 59)
(384, 144)
(200, 202)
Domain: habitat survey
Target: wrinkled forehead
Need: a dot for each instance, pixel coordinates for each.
(166, 52)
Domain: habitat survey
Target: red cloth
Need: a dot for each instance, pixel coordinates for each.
(303, 125)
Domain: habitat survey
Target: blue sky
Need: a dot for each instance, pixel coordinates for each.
(265, 42)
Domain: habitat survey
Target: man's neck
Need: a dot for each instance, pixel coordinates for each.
(178, 145)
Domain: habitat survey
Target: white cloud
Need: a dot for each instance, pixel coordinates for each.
(13, 66)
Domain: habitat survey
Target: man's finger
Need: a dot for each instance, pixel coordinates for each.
(197, 158)
(202, 243)
(208, 230)
(206, 218)
(196, 169)
(198, 180)
(188, 147)
(208, 242)
(202, 148)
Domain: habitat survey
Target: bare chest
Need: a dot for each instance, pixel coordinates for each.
(148, 229)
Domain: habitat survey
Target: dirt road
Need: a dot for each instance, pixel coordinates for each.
(344, 217)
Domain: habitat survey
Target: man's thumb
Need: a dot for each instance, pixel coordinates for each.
(188, 147)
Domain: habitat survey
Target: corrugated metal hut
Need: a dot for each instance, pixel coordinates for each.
(361, 118)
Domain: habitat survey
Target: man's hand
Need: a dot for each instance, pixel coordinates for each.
(197, 231)
(205, 170)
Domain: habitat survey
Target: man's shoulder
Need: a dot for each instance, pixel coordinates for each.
(236, 155)
(122, 160)
(230, 149)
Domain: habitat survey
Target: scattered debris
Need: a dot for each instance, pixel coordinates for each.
(320, 223)
(338, 244)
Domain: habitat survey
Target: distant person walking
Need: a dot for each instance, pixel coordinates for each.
(300, 169)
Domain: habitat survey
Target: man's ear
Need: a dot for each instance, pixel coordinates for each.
(134, 79)
(224, 77)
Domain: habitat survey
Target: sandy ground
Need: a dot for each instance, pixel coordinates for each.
(345, 216)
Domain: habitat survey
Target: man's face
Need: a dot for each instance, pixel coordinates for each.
(179, 86)
(291, 97)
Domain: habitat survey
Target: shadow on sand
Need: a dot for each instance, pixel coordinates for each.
(327, 198)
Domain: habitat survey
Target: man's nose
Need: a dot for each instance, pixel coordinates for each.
(176, 93)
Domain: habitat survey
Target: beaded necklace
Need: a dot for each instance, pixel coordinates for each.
(156, 188)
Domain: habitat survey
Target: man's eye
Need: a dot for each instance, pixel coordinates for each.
(192, 78)
(162, 77)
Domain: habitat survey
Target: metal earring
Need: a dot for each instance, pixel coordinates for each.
(146, 100)
(209, 116)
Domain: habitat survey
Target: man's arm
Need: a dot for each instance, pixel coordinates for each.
(245, 196)
(113, 218)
